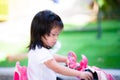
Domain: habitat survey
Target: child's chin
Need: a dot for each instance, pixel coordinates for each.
(52, 46)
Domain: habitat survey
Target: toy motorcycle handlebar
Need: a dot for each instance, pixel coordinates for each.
(73, 62)
(98, 74)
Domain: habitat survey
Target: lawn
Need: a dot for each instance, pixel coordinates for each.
(103, 52)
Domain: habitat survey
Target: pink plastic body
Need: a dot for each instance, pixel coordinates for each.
(20, 72)
(102, 75)
(73, 62)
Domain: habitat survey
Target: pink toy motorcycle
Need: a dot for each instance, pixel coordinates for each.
(98, 74)
(20, 72)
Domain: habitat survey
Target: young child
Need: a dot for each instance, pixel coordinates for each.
(42, 63)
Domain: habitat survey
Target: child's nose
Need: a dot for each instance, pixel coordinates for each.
(56, 37)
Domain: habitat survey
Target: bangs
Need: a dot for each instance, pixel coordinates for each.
(58, 24)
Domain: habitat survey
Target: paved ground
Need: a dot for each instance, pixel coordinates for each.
(7, 74)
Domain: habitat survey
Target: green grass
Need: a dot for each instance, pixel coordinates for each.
(103, 52)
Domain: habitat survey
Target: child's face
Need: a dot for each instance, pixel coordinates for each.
(50, 40)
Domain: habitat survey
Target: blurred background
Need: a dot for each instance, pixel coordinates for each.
(91, 27)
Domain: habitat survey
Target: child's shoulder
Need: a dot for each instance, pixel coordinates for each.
(39, 50)
(42, 50)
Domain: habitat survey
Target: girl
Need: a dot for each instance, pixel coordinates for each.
(42, 63)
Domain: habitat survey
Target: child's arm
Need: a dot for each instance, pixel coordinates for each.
(60, 58)
(17, 57)
(52, 64)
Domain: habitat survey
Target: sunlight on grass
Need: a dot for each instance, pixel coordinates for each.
(2, 56)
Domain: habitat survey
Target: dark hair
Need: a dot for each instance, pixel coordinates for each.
(42, 24)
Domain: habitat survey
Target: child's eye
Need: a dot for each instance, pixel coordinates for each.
(54, 34)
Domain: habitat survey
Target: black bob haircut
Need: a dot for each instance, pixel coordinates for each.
(42, 24)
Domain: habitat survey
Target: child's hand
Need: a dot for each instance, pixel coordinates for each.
(17, 57)
(10, 58)
(86, 76)
(67, 62)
